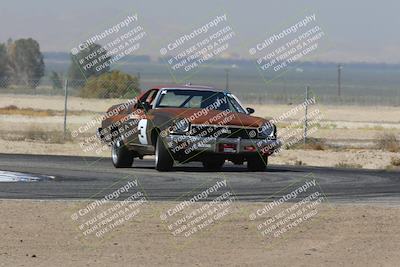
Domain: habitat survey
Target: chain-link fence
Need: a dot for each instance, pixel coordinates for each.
(251, 92)
(81, 88)
(44, 86)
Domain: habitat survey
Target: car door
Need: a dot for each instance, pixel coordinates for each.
(143, 118)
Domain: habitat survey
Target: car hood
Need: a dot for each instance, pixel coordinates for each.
(213, 117)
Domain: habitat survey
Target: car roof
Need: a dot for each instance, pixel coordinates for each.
(186, 86)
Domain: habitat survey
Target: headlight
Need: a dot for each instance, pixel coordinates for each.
(180, 126)
(267, 130)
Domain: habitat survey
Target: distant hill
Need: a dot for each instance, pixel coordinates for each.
(64, 58)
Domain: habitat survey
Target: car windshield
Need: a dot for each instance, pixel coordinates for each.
(178, 98)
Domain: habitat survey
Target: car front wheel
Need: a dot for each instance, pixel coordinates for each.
(164, 160)
(120, 155)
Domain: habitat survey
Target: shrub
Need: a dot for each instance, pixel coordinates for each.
(388, 141)
(113, 84)
(10, 107)
(395, 161)
(311, 144)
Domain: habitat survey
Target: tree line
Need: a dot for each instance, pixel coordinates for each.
(21, 62)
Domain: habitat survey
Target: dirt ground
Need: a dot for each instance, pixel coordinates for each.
(339, 235)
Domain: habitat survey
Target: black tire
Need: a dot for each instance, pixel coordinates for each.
(257, 163)
(213, 164)
(164, 160)
(120, 155)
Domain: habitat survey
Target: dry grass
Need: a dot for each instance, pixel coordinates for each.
(14, 110)
(343, 164)
(38, 134)
(388, 141)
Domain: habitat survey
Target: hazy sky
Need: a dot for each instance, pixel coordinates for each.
(356, 30)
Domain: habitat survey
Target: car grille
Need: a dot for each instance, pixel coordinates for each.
(223, 131)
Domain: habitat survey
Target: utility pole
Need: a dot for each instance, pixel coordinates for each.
(227, 79)
(305, 116)
(65, 107)
(339, 69)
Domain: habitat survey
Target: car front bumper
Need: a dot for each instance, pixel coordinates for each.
(190, 144)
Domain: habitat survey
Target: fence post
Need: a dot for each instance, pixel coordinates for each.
(305, 116)
(65, 107)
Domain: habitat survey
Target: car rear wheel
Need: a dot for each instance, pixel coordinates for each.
(120, 155)
(257, 163)
(213, 164)
(164, 160)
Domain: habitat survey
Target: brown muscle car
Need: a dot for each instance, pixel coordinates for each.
(187, 123)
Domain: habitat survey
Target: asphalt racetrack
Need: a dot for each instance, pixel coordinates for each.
(92, 178)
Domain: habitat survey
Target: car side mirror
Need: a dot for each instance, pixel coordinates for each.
(250, 110)
(144, 105)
